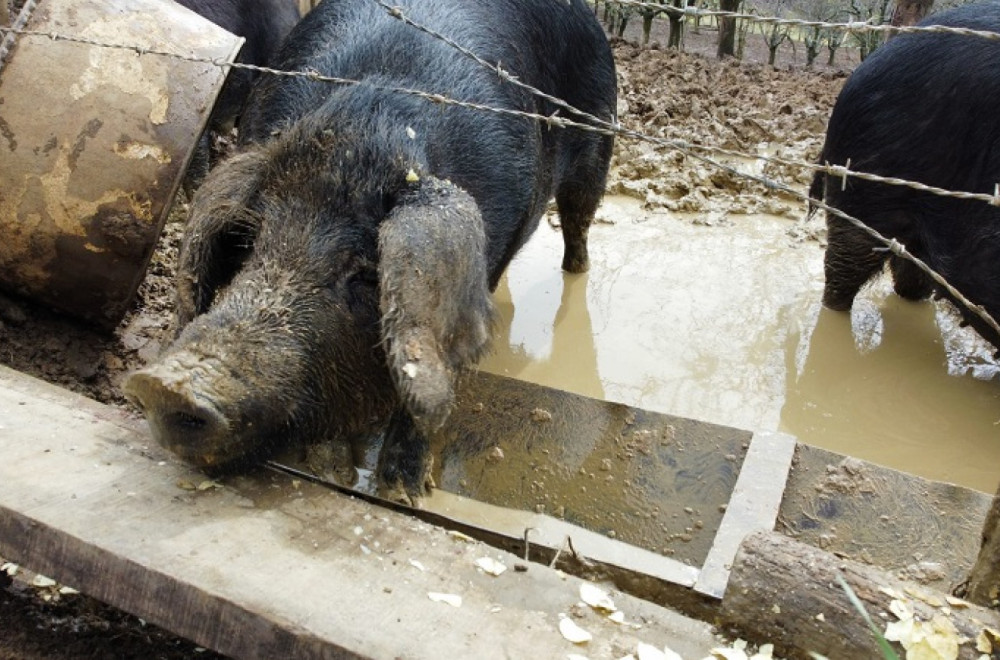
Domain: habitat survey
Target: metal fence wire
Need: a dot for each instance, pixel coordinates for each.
(567, 116)
(848, 26)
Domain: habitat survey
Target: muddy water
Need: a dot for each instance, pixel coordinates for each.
(723, 323)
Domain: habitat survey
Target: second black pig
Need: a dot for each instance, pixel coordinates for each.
(336, 274)
(263, 24)
(924, 107)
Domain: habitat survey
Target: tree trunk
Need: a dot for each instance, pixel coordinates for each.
(727, 29)
(622, 24)
(742, 27)
(910, 12)
(787, 593)
(647, 26)
(676, 31)
(983, 586)
(833, 53)
(772, 55)
(812, 52)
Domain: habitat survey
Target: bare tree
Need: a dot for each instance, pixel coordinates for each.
(812, 39)
(910, 12)
(874, 12)
(775, 34)
(649, 13)
(616, 17)
(727, 29)
(697, 4)
(834, 39)
(677, 18)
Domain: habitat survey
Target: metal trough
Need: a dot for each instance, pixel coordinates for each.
(94, 142)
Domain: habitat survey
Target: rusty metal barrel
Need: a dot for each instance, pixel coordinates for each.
(94, 142)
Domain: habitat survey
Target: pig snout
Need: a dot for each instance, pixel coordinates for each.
(183, 412)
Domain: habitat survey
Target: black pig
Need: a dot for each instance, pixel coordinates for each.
(263, 24)
(336, 274)
(924, 107)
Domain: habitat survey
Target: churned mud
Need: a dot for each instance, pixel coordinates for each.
(702, 301)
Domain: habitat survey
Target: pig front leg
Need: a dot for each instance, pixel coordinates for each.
(404, 464)
(332, 459)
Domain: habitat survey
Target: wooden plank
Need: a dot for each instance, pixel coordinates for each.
(264, 566)
(753, 507)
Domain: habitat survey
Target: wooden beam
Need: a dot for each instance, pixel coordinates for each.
(790, 594)
(263, 566)
(753, 506)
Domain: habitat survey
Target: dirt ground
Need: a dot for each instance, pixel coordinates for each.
(689, 96)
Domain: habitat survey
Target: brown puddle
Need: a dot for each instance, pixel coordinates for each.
(723, 324)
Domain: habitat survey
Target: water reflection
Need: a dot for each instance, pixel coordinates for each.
(548, 331)
(724, 324)
(875, 384)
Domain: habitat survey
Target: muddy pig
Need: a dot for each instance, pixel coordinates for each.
(335, 275)
(264, 24)
(924, 107)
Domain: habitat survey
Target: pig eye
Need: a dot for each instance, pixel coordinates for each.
(186, 421)
(361, 288)
(363, 278)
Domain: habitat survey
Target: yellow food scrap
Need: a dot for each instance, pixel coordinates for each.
(937, 639)
(573, 632)
(451, 599)
(596, 597)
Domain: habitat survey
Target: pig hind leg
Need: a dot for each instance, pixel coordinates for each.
(579, 194)
(908, 280)
(851, 259)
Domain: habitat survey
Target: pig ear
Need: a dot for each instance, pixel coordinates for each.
(220, 233)
(437, 313)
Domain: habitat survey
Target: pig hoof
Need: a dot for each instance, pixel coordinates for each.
(576, 264)
(838, 302)
(399, 494)
(407, 489)
(332, 461)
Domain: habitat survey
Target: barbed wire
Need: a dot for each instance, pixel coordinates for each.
(834, 170)
(397, 13)
(848, 26)
(840, 171)
(596, 125)
(19, 22)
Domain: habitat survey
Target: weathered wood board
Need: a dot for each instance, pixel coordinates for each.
(265, 562)
(662, 482)
(267, 567)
